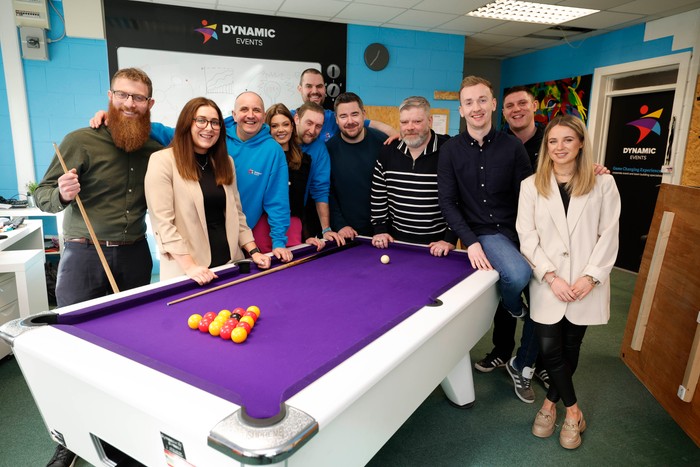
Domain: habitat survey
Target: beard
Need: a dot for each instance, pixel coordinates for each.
(416, 141)
(129, 134)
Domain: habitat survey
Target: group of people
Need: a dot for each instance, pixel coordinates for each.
(278, 178)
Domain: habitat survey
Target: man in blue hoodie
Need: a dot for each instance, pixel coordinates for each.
(261, 168)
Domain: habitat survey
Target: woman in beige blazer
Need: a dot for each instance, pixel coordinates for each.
(193, 201)
(568, 221)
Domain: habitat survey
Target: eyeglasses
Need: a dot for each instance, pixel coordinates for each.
(122, 96)
(201, 123)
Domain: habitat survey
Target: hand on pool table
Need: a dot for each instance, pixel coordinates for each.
(478, 258)
(441, 248)
(283, 254)
(382, 240)
(333, 236)
(348, 232)
(263, 261)
(200, 274)
(317, 242)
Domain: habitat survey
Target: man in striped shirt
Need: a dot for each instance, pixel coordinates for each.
(404, 198)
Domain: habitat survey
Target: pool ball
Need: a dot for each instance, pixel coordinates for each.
(210, 315)
(249, 320)
(225, 313)
(204, 325)
(252, 315)
(236, 316)
(221, 319)
(238, 310)
(239, 335)
(215, 328)
(193, 321)
(231, 322)
(245, 326)
(225, 332)
(254, 309)
(385, 259)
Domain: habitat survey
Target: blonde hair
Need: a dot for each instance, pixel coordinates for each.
(583, 178)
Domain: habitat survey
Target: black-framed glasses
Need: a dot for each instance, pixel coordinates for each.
(202, 123)
(138, 98)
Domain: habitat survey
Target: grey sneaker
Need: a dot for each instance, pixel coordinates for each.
(521, 381)
(489, 363)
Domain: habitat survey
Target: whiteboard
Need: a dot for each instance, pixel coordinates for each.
(179, 76)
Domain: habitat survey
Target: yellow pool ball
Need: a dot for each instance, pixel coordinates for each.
(193, 321)
(249, 320)
(238, 335)
(215, 328)
(385, 259)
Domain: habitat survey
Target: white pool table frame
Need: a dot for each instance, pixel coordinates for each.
(85, 392)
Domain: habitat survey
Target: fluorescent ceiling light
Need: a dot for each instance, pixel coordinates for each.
(529, 12)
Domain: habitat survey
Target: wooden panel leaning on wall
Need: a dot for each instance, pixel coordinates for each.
(661, 344)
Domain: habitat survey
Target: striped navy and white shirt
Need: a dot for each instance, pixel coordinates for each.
(405, 195)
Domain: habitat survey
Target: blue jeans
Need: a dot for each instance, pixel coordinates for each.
(515, 273)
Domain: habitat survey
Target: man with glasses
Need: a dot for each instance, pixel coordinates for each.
(107, 168)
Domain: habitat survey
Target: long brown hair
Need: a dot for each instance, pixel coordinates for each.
(183, 146)
(583, 179)
(294, 154)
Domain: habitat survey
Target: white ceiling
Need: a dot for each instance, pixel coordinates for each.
(486, 38)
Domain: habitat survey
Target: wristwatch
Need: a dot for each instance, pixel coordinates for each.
(592, 280)
(253, 251)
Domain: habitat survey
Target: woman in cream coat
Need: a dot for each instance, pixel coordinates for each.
(193, 201)
(568, 222)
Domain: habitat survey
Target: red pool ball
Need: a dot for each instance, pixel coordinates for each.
(210, 315)
(204, 325)
(232, 322)
(252, 315)
(238, 310)
(245, 326)
(225, 332)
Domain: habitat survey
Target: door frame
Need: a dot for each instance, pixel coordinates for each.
(602, 94)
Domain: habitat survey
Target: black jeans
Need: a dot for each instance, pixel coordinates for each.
(560, 345)
(81, 276)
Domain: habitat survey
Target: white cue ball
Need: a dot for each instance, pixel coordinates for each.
(385, 259)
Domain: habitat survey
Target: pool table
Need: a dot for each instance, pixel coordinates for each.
(345, 349)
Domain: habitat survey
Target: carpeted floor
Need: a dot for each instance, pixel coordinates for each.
(626, 426)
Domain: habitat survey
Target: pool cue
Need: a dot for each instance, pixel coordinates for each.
(296, 262)
(93, 237)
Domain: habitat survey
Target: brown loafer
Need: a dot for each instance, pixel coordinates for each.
(570, 436)
(543, 426)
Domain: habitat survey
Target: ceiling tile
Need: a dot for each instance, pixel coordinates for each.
(652, 7)
(365, 12)
(326, 8)
(517, 29)
(422, 18)
(603, 20)
(243, 5)
(458, 7)
(469, 24)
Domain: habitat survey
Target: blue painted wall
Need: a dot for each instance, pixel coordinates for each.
(8, 178)
(420, 63)
(583, 57)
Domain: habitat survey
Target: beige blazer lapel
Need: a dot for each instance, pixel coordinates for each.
(195, 193)
(576, 206)
(555, 206)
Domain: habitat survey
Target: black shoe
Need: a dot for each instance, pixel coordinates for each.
(543, 376)
(62, 458)
(489, 362)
